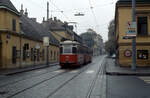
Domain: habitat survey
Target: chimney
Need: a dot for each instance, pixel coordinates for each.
(47, 11)
(43, 19)
(21, 11)
(55, 19)
(26, 13)
(33, 19)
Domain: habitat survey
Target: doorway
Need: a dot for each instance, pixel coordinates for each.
(0, 54)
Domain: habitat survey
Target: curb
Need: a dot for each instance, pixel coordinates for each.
(126, 74)
(27, 70)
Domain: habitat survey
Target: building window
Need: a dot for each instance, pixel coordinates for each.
(14, 25)
(14, 55)
(142, 54)
(51, 54)
(32, 54)
(142, 26)
(54, 55)
(38, 55)
(26, 46)
(43, 54)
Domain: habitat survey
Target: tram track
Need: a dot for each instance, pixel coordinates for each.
(55, 76)
(14, 93)
(19, 80)
(38, 83)
(99, 73)
(65, 83)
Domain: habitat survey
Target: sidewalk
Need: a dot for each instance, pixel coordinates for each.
(26, 69)
(113, 69)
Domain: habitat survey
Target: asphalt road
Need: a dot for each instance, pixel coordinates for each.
(53, 82)
(128, 87)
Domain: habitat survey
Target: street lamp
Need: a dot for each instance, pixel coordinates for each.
(134, 38)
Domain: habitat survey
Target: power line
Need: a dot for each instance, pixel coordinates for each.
(95, 19)
(59, 10)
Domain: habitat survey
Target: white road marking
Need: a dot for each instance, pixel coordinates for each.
(59, 71)
(90, 71)
(145, 79)
(74, 71)
(39, 71)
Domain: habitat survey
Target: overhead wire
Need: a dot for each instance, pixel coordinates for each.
(60, 10)
(95, 18)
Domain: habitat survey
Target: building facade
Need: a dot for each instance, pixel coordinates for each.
(21, 39)
(60, 30)
(93, 41)
(124, 46)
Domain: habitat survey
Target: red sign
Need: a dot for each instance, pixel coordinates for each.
(128, 53)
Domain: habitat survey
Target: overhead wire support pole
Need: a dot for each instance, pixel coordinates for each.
(134, 38)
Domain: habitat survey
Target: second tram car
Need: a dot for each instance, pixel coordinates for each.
(73, 53)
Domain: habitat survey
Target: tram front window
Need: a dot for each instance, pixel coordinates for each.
(67, 49)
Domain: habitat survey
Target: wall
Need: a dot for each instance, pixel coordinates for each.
(19, 42)
(6, 20)
(123, 14)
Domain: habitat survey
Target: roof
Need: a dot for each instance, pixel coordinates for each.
(129, 1)
(54, 25)
(7, 4)
(57, 25)
(34, 30)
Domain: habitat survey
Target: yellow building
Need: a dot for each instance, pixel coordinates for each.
(122, 17)
(21, 42)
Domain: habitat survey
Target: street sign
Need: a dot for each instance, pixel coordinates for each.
(127, 53)
(46, 41)
(131, 29)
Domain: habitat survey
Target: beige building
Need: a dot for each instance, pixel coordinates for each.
(124, 46)
(21, 39)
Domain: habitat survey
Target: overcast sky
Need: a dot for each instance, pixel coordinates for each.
(98, 18)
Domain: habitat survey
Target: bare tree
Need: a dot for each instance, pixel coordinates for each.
(110, 45)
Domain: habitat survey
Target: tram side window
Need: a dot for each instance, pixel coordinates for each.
(74, 50)
(61, 50)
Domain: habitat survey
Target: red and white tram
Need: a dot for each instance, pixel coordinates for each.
(73, 53)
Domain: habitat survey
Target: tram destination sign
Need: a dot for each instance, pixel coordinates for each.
(131, 29)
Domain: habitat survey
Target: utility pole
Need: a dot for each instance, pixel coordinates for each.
(134, 38)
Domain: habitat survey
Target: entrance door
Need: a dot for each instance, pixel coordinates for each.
(0, 55)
